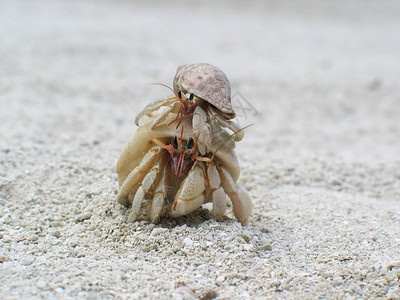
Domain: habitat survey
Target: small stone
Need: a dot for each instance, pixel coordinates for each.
(33, 238)
(323, 286)
(56, 233)
(338, 280)
(93, 193)
(246, 238)
(146, 249)
(6, 220)
(214, 226)
(187, 242)
(229, 247)
(27, 261)
(7, 238)
(326, 275)
(393, 294)
(4, 258)
(248, 247)
(209, 295)
(232, 275)
(265, 247)
(390, 277)
(336, 181)
(186, 293)
(221, 278)
(355, 288)
(41, 284)
(276, 283)
(142, 236)
(184, 251)
(158, 231)
(83, 217)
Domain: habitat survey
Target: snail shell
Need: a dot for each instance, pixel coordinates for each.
(206, 82)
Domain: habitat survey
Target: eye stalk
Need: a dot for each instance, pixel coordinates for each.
(175, 143)
(187, 107)
(190, 144)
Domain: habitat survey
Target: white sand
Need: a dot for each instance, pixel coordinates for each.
(321, 163)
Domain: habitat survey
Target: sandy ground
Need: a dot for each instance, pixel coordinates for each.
(321, 162)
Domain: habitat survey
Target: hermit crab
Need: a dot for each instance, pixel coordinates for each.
(203, 92)
(162, 173)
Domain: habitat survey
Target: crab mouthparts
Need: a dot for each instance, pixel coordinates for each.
(181, 163)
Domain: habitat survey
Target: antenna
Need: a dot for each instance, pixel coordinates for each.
(230, 136)
(164, 85)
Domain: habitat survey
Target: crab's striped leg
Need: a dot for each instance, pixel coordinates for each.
(159, 198)
(241, 200)
(201, 126)
(172, 109)
(136, 176)
(154, 106)
(218, 195)
(146, 190)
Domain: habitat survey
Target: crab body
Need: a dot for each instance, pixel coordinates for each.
(148, 182)
(160, 177)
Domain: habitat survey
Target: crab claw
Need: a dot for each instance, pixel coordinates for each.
(191, 194)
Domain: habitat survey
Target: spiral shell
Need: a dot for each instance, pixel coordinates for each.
(207, 82)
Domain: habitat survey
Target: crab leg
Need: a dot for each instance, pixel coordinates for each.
(218, 195)
(154, 106)
(157, 205)
(227, 124)
(219, 203)
(162, 116)
(200, 126)
(169, 148)
(241, 201)
(137, 175)
(140, 194)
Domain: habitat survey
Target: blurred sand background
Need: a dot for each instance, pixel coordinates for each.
(321, 162)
